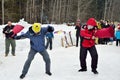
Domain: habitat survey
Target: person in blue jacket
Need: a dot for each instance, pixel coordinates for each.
(49, 37)
(117, 35)
(36, 34)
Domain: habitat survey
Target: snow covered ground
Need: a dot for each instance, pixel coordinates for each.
(64, 61)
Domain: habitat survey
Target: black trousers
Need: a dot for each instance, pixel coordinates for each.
(77, 40)
(117, 42)
(106, 40)
(49, 43)
(83, 55)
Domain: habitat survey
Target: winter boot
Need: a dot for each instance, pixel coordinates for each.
(6, 55)
(95, 71)
(13, 54)
(22, 76)
(82, 70)
(49, 73)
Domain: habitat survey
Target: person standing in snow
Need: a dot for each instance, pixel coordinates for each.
(49, 37)
(117, 35)
(7, 30)
(78, 28)
(88, 44)
(36, 34)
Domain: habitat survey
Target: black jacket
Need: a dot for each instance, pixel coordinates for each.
(78, 28)
(7, 31)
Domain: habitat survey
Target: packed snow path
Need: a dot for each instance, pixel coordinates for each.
(64, 64)
(64, 61)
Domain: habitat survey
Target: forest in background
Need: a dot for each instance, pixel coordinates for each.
(58, 11)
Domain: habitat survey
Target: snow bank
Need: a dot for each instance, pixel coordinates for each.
(64, 61)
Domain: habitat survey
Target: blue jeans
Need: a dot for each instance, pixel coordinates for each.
(31, 55)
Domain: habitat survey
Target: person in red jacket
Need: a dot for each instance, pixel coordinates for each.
(88, 44)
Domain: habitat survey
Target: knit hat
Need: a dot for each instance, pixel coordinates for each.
(92, 22)
(36, 27)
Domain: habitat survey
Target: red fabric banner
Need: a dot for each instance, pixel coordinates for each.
(17, 29)
(105, 33)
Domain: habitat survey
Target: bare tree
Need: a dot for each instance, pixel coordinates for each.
(59, 18)
(106, 2)
(112, 8)
(27, 9)
(33, 9)
(53, 13)
(3, 12)
(78, 11)
(59, 11)
(42, 10)
(68, 10)
(63, 10)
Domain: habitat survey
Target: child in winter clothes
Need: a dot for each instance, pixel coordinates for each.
(117, 35)
(88, 44)
(49, 37)
(36, 35)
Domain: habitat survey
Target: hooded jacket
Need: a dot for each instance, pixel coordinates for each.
(87, 34)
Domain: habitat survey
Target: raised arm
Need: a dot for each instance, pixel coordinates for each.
(23, 36)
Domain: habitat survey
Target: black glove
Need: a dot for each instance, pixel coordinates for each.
(50, 29)
(16, 37)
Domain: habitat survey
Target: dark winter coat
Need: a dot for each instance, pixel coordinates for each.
(49, 35)
(78, 28)
(87, 40)
(37, 41)
(7, 31)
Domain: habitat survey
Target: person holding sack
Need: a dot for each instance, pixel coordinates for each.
(8, 31)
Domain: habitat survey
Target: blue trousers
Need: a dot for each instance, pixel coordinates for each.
(31, 55)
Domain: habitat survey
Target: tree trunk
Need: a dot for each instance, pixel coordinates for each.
(33, 13)
(30, 11)
(112, 9)
(105, 9)
(3, 12)
(78, 11)
(53, 13)
(67, 11)
(20, 10)
(64, 10)
(59, 19)
(57, 11)
(27, 13)
(42, 10)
